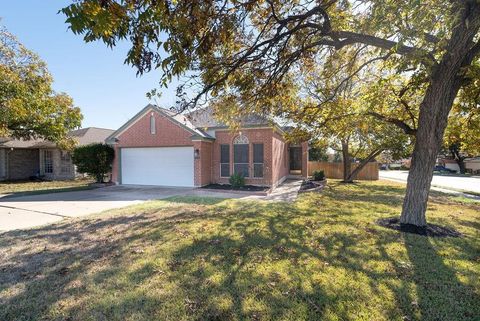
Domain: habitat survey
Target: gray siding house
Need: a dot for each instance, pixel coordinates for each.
(22, 159)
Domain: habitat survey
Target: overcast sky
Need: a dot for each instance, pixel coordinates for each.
(107, 91)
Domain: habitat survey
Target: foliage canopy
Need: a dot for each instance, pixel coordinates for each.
(29, 108)
(95, 160)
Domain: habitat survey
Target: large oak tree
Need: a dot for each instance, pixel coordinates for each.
(29, 108)
(248, 48)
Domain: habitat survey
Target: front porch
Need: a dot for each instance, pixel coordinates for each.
(298, 161)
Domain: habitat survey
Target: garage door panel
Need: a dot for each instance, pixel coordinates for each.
(167, 166)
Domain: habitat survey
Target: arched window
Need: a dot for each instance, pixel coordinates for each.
(153, 129)
(240, 156)
(240, 139)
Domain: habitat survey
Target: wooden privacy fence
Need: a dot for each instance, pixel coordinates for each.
(335, 170)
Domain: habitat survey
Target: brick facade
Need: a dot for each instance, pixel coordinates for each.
(203, 163)
(254, 135)
(280, 161)
(167, 134)
(207, 160)
(22, 163)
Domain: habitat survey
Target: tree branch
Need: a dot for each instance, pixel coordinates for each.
(397, 122)
(363, 163)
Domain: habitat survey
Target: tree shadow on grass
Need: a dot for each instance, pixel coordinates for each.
(230, 261)
(52, 259)
(441, 295)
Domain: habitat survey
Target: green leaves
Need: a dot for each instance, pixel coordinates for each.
(94, 159)
(29, 108)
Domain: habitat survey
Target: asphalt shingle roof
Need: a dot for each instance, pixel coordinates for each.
(205, 118)
(84, 136)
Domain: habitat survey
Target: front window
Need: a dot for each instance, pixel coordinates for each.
(258, 160)
(65, 162)
(240, 156)
(47, 162)
(224, 160)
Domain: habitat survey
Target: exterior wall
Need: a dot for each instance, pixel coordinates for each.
(280, 161)
(116, 165)
(452, 166)
(57, 166)
(473, 165)
(207, 166)
(167, 134)
(305, 159)
(3, 164)
(203, 164)
(254, 135)
(22, 163)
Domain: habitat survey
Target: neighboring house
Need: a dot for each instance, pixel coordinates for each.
(22, 159)
(472, 165)
(159, 147)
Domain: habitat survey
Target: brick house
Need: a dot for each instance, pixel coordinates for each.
(160, 147)
(22, 159)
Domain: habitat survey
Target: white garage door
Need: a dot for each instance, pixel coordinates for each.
(167, 166)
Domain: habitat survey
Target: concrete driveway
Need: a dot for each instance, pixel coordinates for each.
(463, 183)
(28, 211)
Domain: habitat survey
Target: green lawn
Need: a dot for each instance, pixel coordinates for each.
(320, 258)
(31, 187)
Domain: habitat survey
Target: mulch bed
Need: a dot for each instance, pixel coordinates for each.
(431, 230)
(310, 186)
(247, 188)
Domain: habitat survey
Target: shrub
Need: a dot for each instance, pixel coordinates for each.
(318, 175)
(94, 159)
(237, 180)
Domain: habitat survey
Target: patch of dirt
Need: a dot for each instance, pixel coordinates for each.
(431, 230)
(250, 188)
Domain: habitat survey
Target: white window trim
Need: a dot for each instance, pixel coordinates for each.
(44, 161)
(221, 170)
(263, 172)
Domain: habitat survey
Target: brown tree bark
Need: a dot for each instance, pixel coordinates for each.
(347, 164)
(446, 80)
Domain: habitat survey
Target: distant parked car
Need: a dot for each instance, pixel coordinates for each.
(440, 168)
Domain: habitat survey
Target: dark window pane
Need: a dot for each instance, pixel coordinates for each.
(225, 170)
(240, 153)
(224, 153)
(241, 169)
(258, 153)
(257, 170)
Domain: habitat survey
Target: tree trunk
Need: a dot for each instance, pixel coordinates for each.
(347, 164)
(446, 80)
(354, 173)
(461, 165)
(458, 158)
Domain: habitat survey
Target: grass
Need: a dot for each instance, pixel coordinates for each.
(17, 188)
(186, 258)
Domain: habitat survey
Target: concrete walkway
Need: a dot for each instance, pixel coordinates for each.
(286, 192)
